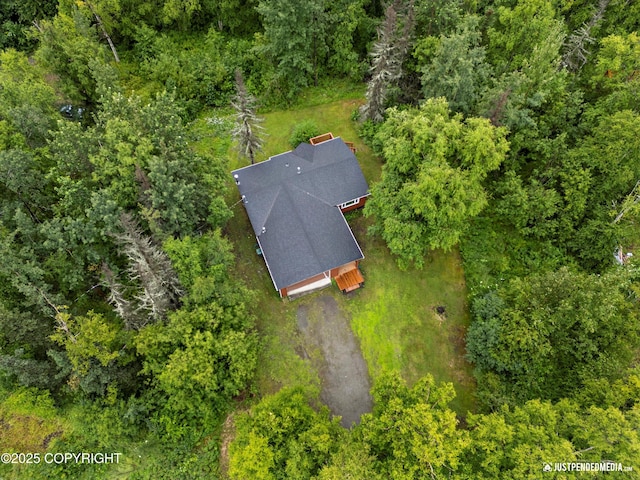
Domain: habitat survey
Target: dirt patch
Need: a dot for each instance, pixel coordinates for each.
(440, 313)
(344, 377)
(228, 429)
(48, 438)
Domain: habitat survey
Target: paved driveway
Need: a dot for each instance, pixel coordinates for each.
(345, 379)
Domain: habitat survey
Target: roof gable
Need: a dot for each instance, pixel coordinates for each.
(304, 150)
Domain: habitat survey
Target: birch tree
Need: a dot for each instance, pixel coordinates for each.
(432, 181)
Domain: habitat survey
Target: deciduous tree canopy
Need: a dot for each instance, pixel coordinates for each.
(546, 335)
(432, 180)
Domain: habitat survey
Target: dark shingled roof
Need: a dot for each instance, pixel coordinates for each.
(292, 199)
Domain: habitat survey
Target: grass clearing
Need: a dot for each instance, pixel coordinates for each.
(394, 316)
(280, 362)
(29, 422)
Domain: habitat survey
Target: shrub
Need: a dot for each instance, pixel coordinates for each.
(303, 132)
(367, 131)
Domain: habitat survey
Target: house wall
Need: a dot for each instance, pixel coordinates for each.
(316, 278)
(334, 272)
(360, 204)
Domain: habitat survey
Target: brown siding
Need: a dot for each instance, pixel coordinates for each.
(360, 204)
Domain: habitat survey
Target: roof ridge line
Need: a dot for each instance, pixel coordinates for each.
(268, 213)
(310, 194)
(306, 234)
(302, 223)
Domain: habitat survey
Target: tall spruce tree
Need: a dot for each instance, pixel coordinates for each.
(388, 53)
(151, 268)
(575, 48)
(248, 125)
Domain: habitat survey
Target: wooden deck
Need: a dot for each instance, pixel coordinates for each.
(350, 280)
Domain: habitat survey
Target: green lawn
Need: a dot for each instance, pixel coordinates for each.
(396, 319)
(280, 363)
(394, 316)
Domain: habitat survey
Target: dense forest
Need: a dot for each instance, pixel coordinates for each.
(509, 131)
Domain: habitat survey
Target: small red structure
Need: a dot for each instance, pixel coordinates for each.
(329, 136)
(321, 138)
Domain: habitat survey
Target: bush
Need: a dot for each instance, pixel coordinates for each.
(487, 306)
(283, 437)
(303, 132)
(367, 131)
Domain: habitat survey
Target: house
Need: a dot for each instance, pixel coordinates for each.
(295, 202)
